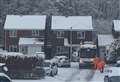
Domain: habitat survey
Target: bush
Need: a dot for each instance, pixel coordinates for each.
(22, 66)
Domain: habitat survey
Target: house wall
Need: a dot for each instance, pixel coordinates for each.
(58, 42)
(20, 33)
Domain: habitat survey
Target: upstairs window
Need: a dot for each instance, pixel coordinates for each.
(35, 32)
(13, 33)
(80, 35)
(60, 34)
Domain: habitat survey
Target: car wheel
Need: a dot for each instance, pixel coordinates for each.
(56, 72)
(51, 74)
(69, 65)
(106, 79)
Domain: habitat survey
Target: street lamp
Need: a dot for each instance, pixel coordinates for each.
(70, 43)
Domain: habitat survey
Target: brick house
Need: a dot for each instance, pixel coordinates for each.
(71, 29)
(24, 33)
(52, 34)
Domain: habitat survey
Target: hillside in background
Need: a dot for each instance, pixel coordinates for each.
(103, 11)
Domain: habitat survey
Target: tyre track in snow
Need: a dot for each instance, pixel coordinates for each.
(72, 76)
(75, 73)
(81, 75)
(90, 75)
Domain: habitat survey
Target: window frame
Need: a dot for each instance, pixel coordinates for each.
(13, 48)
(81, 35)
(60, 34)
(35, 32)
(12, 33)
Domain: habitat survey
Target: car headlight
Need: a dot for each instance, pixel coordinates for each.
(94, 46)
(81, 61)
(91, 59)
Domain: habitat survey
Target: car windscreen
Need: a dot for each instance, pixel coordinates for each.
(114, 79)
(46, 64)
(4, 79)
(87, 53)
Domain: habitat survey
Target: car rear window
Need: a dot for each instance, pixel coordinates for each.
(46, 64)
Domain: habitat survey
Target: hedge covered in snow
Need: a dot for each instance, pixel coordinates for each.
(20, 61)
(22, 66)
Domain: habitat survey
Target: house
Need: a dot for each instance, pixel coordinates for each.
(71, 30)
(24, 33)
(116, 28)
(52, 34)
(104, 42)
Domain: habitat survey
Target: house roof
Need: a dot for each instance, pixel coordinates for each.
(105, 39)
(30, 41)
(76, 22)
(116, 25)
(25, 22)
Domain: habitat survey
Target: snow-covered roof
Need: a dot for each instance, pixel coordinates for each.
(116, 25)
(105, 39)
(30, 41)
(25, 22)
(11, 54)
(76, 22)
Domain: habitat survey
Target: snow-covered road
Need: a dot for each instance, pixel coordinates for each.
(73, 74)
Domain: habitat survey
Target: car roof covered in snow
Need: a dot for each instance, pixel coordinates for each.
(76, 22)
(30, 41)
(61, 56)
(25, 22)
(105, 39)
(116, 25)
(4, 75)
(2, 64)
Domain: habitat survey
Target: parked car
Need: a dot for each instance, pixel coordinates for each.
(62, 61)
(112, 74)
(50, 68)
(4, 78)
(3, 68)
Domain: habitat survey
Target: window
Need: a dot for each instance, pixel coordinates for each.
(24, 49)
(13, 33)
(13, 48)
(60, 48)
(60, 34)
(80, 35)
(35, 32)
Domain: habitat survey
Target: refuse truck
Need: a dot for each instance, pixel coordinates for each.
(87, 53)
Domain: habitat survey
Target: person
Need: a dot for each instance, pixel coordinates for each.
(96, 61)
(100, 65)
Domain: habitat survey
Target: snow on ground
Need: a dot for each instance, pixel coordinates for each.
(73, 74)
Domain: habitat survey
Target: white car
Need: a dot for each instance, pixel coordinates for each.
(3, 68)
(4, 78)
(50, 68)
(62, 61)
(112, 74)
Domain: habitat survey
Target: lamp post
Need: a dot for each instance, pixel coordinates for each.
(70, 43)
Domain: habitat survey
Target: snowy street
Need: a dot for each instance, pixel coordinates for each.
(73, 74)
